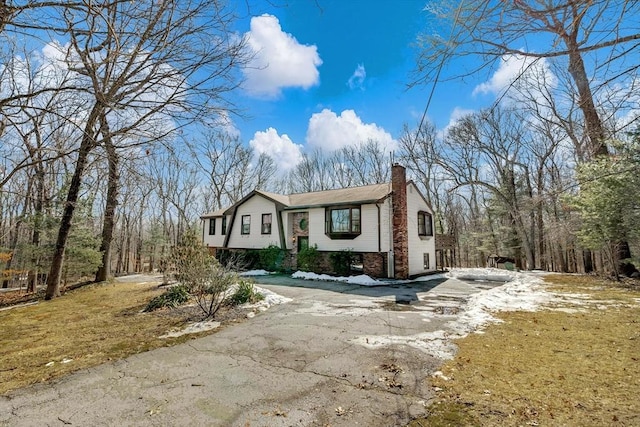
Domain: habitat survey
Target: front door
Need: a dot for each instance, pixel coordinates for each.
(303, 243)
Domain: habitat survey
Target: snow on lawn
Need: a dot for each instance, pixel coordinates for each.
(521, 292)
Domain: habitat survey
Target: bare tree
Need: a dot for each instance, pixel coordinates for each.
(484, 151)
(228, 165)
(150, 68)
(419, 151)
(592, 39)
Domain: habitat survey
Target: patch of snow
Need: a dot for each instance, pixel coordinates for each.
(270, 298)
(521, 292)
(437, 343)
(480, 274)
(362, 280)
(322, 309)
(430, 277)
(254, 273)
(439, 374)
(193, 328)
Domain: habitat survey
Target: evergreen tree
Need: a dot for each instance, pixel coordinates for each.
(609, 206)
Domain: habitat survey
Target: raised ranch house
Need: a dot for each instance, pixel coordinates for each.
(388, 227)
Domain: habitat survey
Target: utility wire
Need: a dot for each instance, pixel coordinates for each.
(445, 56)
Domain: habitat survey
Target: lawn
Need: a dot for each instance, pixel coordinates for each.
(85, 327)
(575, 364)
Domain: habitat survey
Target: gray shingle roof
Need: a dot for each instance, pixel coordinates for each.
(219, 212)
(364, 194)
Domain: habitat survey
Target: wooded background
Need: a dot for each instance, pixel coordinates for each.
(114, 143)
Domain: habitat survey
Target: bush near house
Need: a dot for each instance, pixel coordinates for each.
(341, 262)
(271, 258)
(204, 277)
(309, 259)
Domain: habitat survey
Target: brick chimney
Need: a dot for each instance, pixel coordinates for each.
(399, 220)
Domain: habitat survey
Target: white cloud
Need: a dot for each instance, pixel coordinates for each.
(330, 132)
(521, 78)
(279, 61)
(285, 153)
(357, 78)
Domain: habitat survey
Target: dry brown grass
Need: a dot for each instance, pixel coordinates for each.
(549, 368)
(88, 326)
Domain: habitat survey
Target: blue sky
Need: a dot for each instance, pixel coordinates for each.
(329, 72)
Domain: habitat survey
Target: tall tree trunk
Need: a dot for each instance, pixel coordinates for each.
(15, 234)
(540, 224)
(595, 129)
(104, 271)
(87, 144)
(32, 281)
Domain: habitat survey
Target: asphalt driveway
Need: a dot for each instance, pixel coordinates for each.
(339, 355)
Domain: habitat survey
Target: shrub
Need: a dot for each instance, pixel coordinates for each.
(249, 259)
(271, 258)
(308, 259)
(341, 262)
(210, 292)
(245, 292)
(172, 297)
(203, 276)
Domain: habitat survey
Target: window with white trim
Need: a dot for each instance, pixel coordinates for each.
(246, 224)
(342, 222)
(266, 223)
(425, 224)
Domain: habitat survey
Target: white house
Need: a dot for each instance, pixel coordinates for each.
(388, 227)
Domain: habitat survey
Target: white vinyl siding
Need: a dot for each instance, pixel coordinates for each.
(213, 240)
(256, 206)
(367, 241)
(418, 245)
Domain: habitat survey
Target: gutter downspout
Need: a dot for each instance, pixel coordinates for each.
(379, 229)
